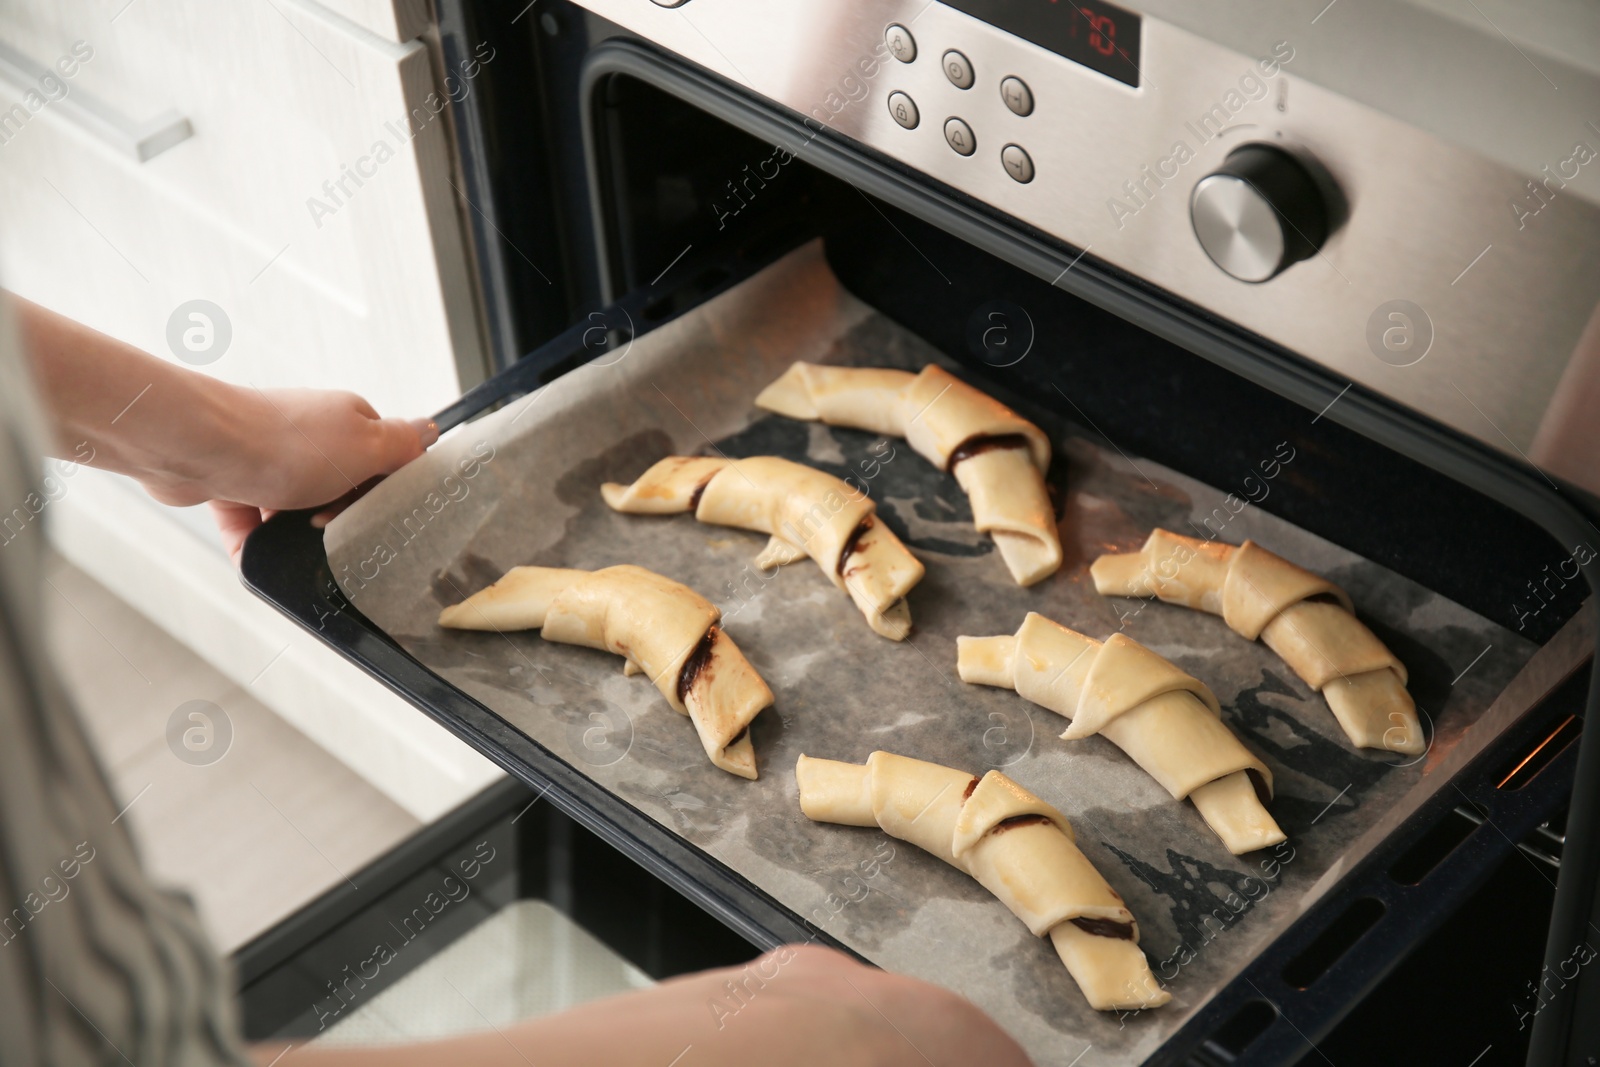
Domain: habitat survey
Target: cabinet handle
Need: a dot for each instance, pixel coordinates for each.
(140, 140)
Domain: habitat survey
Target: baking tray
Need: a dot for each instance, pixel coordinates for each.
(565, 719)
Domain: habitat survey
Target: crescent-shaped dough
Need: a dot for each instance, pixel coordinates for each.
(1166, 720)
(807, 512)
(663, 629)
(998, 457)
(1018, 847)
(1301, 616)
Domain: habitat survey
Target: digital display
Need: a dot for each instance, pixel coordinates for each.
(1100, 36)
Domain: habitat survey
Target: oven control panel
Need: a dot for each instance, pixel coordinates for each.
(1264, 209)
(1390, 256)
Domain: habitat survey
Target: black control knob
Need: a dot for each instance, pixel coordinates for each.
(1263, 211)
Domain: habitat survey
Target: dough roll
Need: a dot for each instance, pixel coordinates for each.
(1304, 618)
(806, 512)
(664, 630)
(998, 457)
(1018, 847)
(1167, 721)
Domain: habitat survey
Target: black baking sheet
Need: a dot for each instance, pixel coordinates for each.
(522, 486)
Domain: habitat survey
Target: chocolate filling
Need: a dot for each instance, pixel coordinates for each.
(972, 446)
(737, 738)
(698, 660)
(1104, 928)
(1098, 927)
(1018, 820)
(970, 787)
(699, 491)
(850, 542)
(1260, 785)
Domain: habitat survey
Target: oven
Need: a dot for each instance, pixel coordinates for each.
(1191, 243)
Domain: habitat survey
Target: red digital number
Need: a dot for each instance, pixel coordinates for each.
(1103, 39)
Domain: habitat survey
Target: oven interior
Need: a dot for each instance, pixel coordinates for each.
(664, 178)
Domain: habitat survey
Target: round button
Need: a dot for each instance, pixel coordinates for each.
(901, 44)
(958, 69)
(903, 110)
(1261, 212)
(960, 137)
(1018, 97)
(1017, 162)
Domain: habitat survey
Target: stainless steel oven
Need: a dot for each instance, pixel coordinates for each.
(1369, 230)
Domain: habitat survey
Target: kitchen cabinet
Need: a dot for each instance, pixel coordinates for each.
(287, 163)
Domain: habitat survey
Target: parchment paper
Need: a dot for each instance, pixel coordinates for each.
(522, 486)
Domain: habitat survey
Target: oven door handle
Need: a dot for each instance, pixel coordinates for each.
(602, 337)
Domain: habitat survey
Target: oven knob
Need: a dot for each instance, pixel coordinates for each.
(1261, 212)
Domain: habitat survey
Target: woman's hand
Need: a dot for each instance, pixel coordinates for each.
(295, 448)
(189, 438)
(796, 1006)
(291, 448)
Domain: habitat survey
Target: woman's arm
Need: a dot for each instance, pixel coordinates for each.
(794, 1007)
(189, 438)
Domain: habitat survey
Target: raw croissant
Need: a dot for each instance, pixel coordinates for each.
(1166, 720)
(1302, 617)
(807, 512)
(664, 630)
(1018, 847)
(998, 457)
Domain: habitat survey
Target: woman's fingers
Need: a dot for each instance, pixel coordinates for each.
(235, 522)
(361, 404)
(307, 447)
(393, 444)
(427, 431)
(942, 1021)
(818, 1005)
(396, 442)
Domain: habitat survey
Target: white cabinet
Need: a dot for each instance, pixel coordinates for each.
(393, 20)
(334, 268)
(312, 200)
